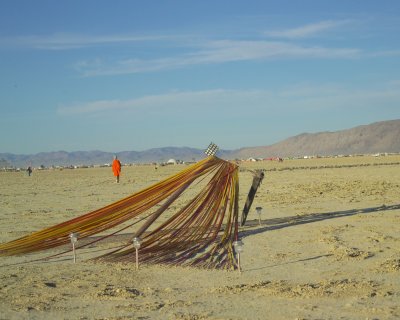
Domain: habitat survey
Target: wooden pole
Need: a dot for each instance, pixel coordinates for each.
(236, 210)
(137, 258)
(73, 250)
(157, 213)
(257, 178)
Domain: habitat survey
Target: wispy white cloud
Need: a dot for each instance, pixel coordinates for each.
(65, 41)
(214, 52)
(191, 51)
(172, 99)
(308, 30)
(221, 101)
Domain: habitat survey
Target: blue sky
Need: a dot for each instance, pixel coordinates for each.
(134, 75)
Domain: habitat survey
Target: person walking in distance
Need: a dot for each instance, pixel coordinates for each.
(116, 168)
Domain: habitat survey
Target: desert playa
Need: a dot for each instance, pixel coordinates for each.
(328, 247)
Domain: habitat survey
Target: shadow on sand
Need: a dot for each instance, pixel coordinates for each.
(280, 223)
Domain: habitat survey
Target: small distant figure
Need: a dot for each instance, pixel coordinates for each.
(29, 170)
(116, 168)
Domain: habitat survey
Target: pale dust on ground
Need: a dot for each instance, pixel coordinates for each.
(328, 247)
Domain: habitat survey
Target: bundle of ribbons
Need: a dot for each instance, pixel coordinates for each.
(199, 233)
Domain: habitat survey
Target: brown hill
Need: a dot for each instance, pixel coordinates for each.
(378, 137)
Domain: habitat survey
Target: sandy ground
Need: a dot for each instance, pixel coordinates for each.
(328, 247)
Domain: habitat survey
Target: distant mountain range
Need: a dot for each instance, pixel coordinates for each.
(378, 137)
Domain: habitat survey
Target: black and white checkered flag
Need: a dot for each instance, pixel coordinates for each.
(211, 149)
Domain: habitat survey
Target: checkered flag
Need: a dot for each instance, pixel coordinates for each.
(211, 149)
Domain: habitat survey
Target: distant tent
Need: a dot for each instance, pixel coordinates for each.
(200, 233)
(171, 161)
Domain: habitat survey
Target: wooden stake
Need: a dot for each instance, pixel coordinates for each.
(137, 259)
(257, 179)
(156, 214)
(73, 250)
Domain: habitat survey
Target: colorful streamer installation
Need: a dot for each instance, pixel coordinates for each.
(200, 233)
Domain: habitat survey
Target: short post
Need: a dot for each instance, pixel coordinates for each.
(74, 239)
(136, 244)
(259, 210)
(238, 247)
(257, 179)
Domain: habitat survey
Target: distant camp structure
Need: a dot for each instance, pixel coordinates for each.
(200, 233)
